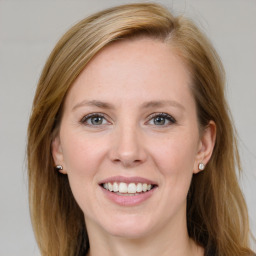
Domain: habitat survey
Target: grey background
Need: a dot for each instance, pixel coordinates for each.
(29, 31)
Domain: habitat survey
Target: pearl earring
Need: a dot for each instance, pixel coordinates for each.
(59, 167)
(201, 166)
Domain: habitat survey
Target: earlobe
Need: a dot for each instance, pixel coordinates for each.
(58, 155)
(206, 146)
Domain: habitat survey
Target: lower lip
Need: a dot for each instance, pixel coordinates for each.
(128, 200)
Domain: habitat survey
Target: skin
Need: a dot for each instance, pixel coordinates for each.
(129, 142)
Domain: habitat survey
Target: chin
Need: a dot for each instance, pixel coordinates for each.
(129, 232)
(129, 227)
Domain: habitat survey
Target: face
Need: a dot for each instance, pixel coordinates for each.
(129, 139)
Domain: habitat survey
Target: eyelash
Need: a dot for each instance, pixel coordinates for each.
(85, 119)
(166, 116)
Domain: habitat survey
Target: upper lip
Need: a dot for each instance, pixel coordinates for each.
(127, 180)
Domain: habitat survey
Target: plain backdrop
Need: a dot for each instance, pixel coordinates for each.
(28, 32)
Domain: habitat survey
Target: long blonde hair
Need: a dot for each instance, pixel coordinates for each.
(216, 211)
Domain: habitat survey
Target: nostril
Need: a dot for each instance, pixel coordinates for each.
(128, 162)
(127, 153)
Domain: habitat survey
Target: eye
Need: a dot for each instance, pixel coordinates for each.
(161, 119)
(94, 119)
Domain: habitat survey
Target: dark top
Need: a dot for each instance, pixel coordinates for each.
(210, 252)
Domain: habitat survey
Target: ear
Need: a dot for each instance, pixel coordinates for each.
(206, 146)
(57, 154)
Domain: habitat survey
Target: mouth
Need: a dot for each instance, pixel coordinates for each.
(128, 189)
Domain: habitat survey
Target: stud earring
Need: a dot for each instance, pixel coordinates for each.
(201, 166)
(59, 167)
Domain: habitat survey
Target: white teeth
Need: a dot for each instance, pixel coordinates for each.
(110, 187)
(125, 188)
(144, 187)
(132, 188)
(139, 187)
(115, 187)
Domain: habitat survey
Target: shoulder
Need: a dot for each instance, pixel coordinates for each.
(213, 252)
(210, 252)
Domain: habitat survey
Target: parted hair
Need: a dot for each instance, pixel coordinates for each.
(217, 216)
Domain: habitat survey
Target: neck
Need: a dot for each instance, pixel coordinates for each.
(125, 247)
(169, 240)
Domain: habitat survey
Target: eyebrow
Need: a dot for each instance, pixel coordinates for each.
(99, 104)
(149, 104)
(163, 103)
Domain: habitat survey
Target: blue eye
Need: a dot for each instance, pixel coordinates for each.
(94, 120)
(161, 119)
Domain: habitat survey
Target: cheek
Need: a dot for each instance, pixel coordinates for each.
(81, 153)
(82, 157)
(177, 153)
(175, 160)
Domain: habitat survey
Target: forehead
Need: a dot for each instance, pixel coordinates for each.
(141, 67)
(151, 52)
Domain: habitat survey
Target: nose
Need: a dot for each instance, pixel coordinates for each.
(127, 146)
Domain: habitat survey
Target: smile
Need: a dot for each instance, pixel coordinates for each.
(128, 191)
(131, 189)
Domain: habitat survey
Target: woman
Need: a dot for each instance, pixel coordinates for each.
(130, 145)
